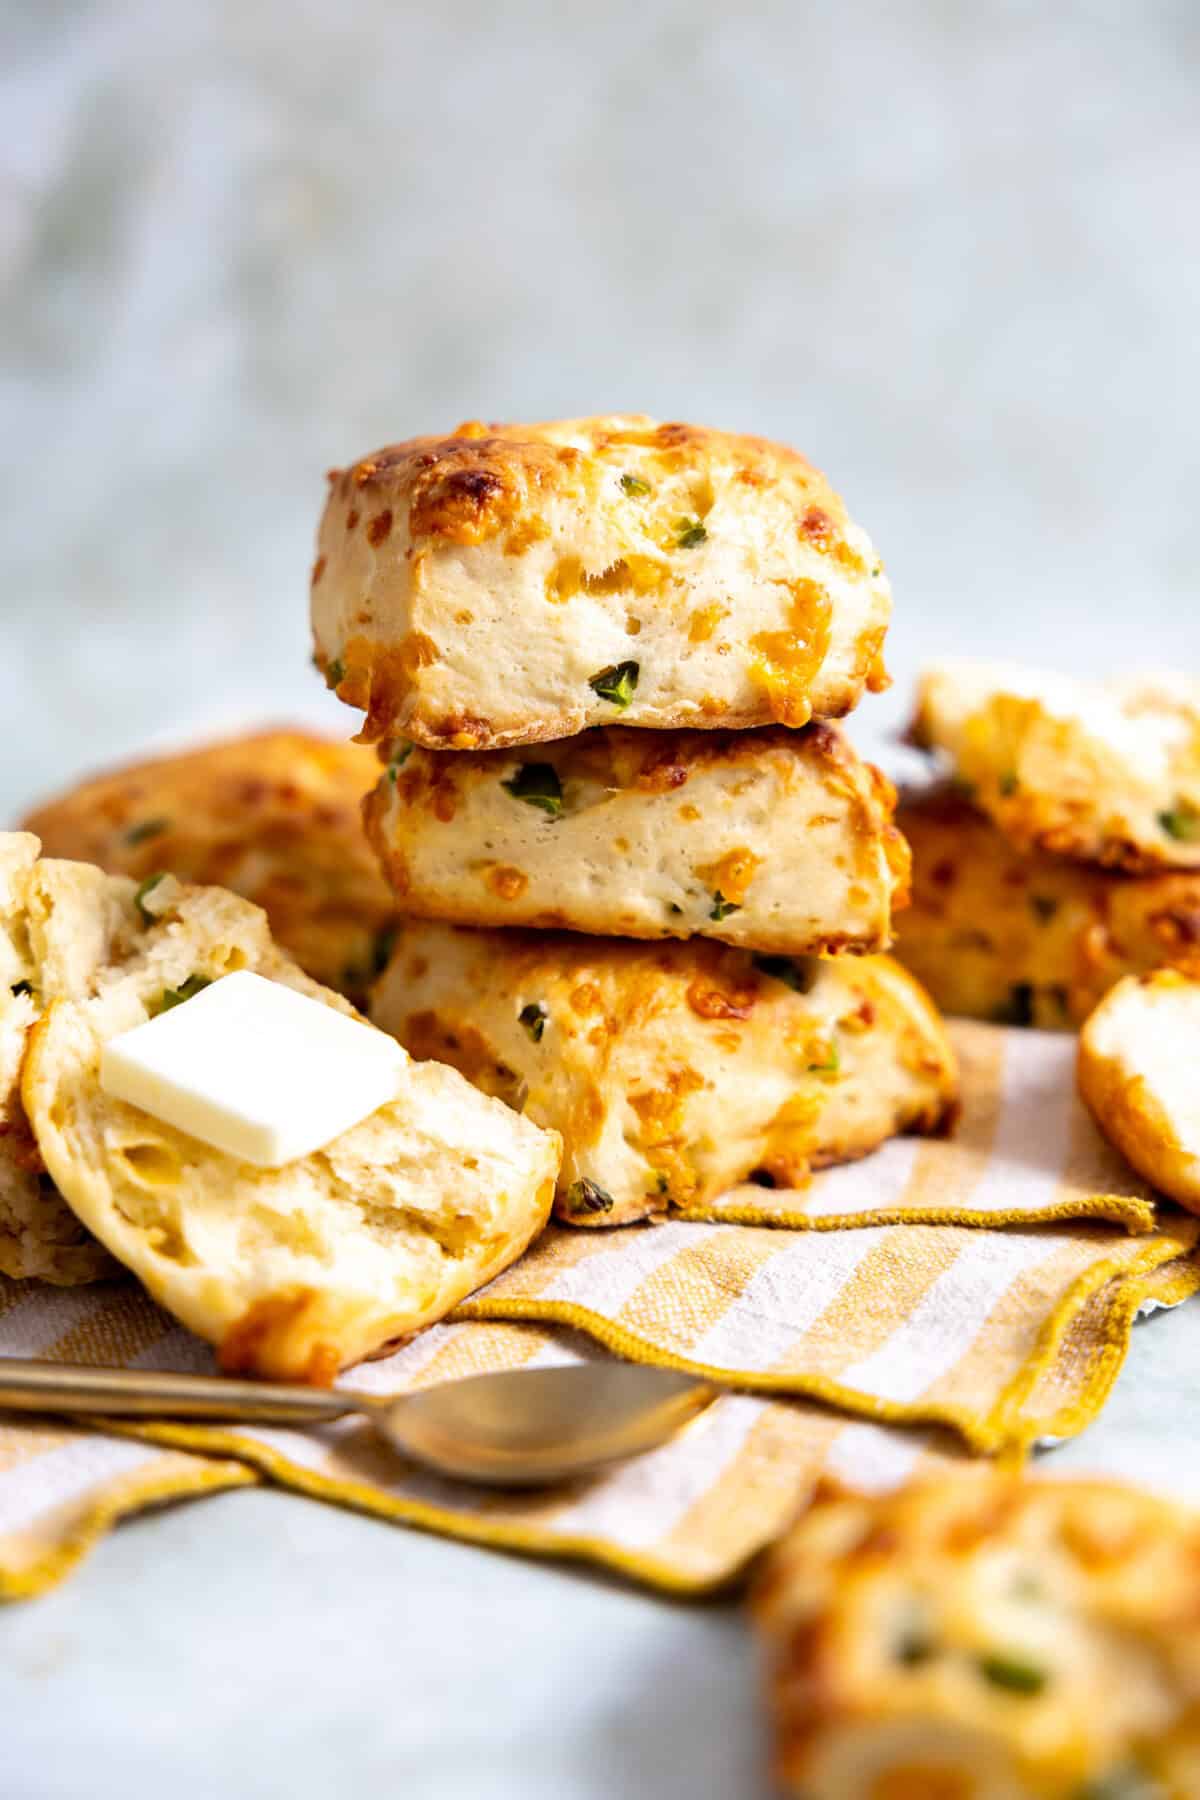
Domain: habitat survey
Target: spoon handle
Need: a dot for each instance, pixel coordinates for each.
(131, 1393)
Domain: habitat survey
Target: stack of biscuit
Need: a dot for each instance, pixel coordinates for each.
(1061, 852)
(644, 879)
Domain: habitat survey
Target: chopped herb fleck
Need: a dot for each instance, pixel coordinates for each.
(1043, 906)
(146, 829)
(797, 973)
(1008, 783)
(538, 785)
(1182, 823)
(533, 1017)
(399, 757)
(1016, 1673)
(721, 907)
(830, 1066)
(381, 949)
(22, 987)
(1018, 1008)
(616, 683)
(139, 899)
(677, 910)
(661, 1184)
(633, 484)
(966, 790)
(877, 570)
(915, 1646)
(1125, 1783)
(335, 673)
(187, 990)
(588, 1197)
(689, 533)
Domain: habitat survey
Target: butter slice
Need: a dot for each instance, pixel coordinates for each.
(254, 1069)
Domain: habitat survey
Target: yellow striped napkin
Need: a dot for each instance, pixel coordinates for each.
(867, 1353)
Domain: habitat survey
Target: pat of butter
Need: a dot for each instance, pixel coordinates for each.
(255, 1069)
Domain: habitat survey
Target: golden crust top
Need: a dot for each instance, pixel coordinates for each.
(471, 486)
(274, 816)
(1011, 1636)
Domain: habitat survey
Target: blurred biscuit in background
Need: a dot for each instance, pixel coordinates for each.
(1104, 772)
(984, 1638)
(275, 816)
(1029, 939)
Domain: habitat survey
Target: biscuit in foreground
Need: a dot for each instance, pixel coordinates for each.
(1139, 1057)
(1023, 938)
(674, 1070)
(778, 839)
(510, 584)
(40, 1237)
(984, 1638)
(1103, 771)
(296, 1272)
(274, 816)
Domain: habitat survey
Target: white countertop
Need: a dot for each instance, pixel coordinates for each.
(945, 251)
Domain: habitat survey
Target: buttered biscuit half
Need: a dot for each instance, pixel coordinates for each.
(294, 1271)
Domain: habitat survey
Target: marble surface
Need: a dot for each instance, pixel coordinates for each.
(948, 251)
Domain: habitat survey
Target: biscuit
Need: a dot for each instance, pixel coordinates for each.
(39, 1234)
(1103, 771)
(274, 816)
(516, 583)
(1026, 938)
(778, 840)
(673, 1070)
(984, 1638)
(1138, 1056)
(292, 1272)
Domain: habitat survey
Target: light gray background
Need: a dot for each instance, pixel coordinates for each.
(949, 250)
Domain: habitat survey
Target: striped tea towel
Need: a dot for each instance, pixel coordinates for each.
(866, 1353)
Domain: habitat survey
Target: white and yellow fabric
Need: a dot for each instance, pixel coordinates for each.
(869, 1352)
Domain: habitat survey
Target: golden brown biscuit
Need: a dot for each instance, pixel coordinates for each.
(274, 816)
(984, 1638)
(1103, 771)
(516, 583)
(1138, 1059)
(292, 1272)
(780, 840)
(674, 1070)
(1029, 939)
(39, 1234)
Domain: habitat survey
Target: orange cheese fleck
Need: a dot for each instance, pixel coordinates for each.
(785, 663)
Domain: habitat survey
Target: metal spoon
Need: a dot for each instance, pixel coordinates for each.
(517, 1429)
